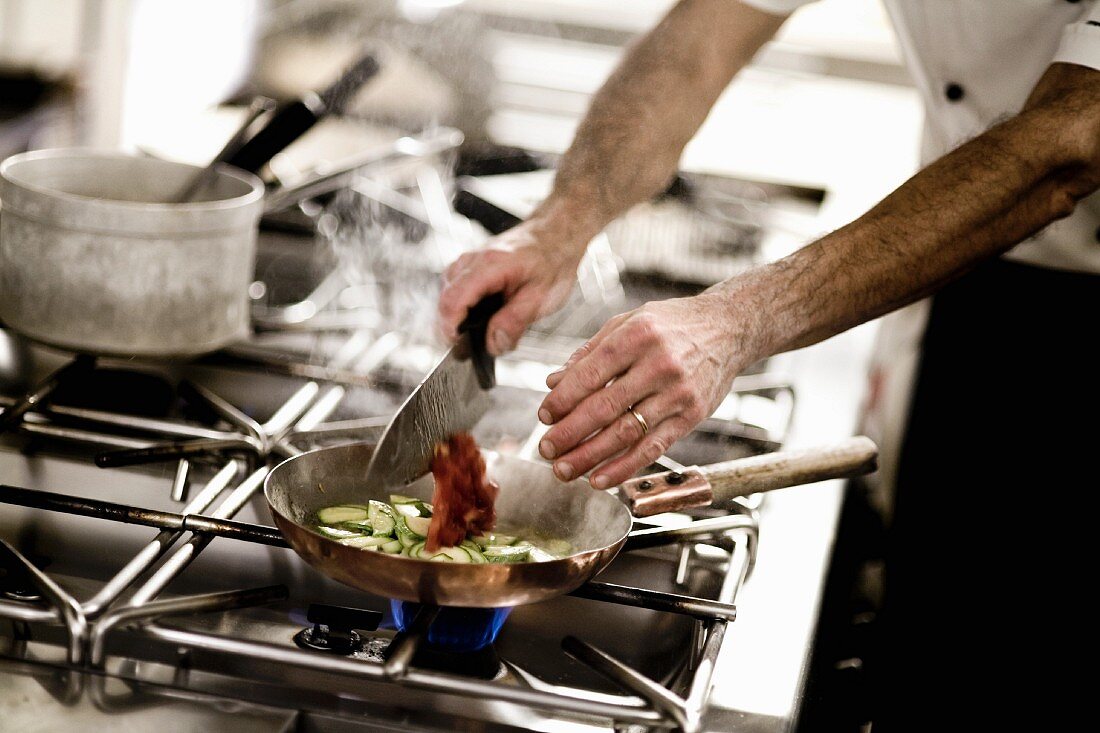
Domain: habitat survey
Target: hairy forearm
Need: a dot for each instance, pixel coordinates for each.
(968, 206)
(629, 143)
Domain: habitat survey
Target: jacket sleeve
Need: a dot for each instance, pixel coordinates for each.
(1081, 41)
(777, 7)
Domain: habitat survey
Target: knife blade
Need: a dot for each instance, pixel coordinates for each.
(451, 399)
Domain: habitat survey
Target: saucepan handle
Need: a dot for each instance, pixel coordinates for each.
(719, 483)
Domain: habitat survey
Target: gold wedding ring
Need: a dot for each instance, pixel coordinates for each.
(640, 419)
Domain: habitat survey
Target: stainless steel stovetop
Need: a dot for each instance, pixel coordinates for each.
(249, 655)
(188, 611)
(119, 624)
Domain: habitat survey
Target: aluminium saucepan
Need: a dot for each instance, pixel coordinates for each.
(595, 522)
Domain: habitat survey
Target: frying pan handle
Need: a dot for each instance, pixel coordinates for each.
(176, 449)
(719, 483)
(476, 325)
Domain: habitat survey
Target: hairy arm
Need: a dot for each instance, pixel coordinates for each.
(630, 141)
(625, 151)
(674, 360)
(973, 203)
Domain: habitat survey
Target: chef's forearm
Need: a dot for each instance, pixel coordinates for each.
(629, 143)
(974, 203)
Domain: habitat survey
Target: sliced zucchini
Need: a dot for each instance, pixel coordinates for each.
(381, 519)
(361, 527)
(507, 554)
(416, 550)
(393, 547)
(406, 510)
(402, 499)
(474, 552)
(446, 554)
(364, 542)
(494, 540)
(415, 508)
(401, 530)
(537, 554)
(418, 525)
(337, 533)
(342, 513)
(559, 548)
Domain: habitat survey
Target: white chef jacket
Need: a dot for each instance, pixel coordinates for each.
(974, 63)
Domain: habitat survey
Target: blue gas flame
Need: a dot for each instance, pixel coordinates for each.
(455, 629)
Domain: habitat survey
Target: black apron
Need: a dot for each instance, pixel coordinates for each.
(993, 547)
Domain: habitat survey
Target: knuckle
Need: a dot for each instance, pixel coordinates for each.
(588, 376)
(604, 407)
(627, 431)
(644, 331)
(584, 458)
(654, 447)
(578, 354)
(695, 413)
(682, 396)
(672, 368)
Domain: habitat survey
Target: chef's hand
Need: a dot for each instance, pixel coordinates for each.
(535, 273)
(670, 361)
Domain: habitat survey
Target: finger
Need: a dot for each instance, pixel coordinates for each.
(555, 376)
(596, 412)
(645, 451)
(509, 323)
(622, 434)
(468, 288)
(607, 360)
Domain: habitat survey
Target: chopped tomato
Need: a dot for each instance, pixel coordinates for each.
(463, 499)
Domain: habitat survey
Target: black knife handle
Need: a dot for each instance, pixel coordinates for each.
(476, 325)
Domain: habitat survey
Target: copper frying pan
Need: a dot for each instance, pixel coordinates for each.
(596, 523)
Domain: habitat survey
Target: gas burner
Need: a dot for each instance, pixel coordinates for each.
(455, 630)
(16, 584)
(124, 391)
(483, 663)
(336, 628)
(25, 596)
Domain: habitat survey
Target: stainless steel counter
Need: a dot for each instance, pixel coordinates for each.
(761, 676)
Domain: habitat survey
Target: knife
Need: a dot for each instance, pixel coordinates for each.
(451, 399)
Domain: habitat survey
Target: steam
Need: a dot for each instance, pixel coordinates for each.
(391, 237)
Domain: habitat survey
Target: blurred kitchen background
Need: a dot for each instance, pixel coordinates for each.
(822, 125)
(511, 72)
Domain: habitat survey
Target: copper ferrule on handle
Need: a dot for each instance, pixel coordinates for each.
(666, 492)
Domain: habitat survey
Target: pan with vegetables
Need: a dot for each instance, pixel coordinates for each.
(548, 538)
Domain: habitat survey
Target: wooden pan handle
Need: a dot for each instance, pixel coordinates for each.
(719, 483)
(744, 476)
